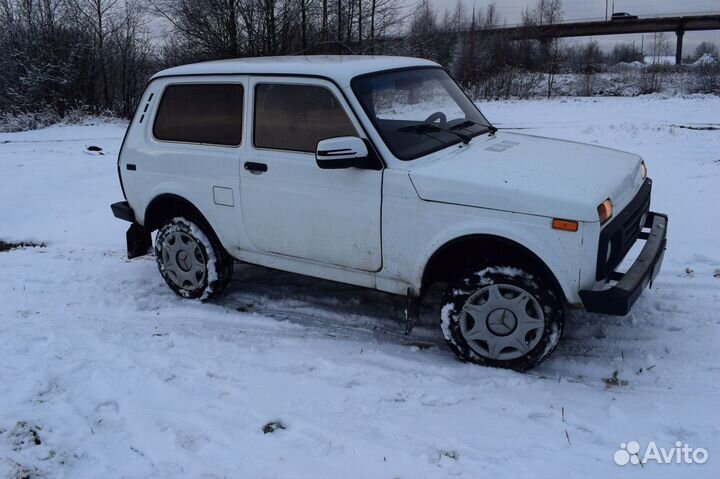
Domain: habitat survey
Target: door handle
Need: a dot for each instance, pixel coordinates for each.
(253, 167)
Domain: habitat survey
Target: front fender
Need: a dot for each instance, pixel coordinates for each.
(560, 251)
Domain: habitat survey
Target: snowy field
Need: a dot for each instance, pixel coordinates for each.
(104, 373)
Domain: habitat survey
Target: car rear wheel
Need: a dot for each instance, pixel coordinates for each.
(192, 264)
(502, 317)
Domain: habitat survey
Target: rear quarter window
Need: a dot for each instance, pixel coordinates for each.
(201, 113)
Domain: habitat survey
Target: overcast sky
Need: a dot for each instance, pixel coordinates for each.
(511, 11)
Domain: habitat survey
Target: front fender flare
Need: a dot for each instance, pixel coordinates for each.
(546, 250)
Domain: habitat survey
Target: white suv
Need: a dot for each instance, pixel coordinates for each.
(380, 172)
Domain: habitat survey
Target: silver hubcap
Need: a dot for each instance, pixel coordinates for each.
(183, 260)
(502, 321)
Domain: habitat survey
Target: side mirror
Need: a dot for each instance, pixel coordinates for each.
(342, 152)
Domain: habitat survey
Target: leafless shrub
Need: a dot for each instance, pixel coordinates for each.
(508, 83)
(706, 78)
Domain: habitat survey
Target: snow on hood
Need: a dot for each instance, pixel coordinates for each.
(529, 174)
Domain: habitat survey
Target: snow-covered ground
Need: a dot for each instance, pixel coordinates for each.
(105, 373)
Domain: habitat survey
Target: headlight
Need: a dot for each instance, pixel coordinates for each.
(605, 210)
(643, 169)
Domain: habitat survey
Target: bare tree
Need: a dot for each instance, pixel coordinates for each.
(653, 75)
(423, 30)
(706, 48)
(548, 12)
(384, 20)
(100, 16)
(132, 54)
(625, 53)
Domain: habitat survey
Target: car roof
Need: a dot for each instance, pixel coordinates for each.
(339, 68)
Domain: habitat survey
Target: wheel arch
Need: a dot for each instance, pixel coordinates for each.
(168, 205)
(460, 252)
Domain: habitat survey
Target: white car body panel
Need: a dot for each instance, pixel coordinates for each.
(529, 174)
(189, 171)
(297, 209)
(413, 230)
(375, 228)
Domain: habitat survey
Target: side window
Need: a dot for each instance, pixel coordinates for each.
(207, 113)
(296, 117)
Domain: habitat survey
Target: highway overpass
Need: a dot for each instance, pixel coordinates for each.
(679, 25)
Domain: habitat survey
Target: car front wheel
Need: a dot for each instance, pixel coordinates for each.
(502, 317)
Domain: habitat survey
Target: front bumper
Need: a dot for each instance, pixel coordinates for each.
(618, 299)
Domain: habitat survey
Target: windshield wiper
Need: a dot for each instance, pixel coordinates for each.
(463, 125)
(423, 128)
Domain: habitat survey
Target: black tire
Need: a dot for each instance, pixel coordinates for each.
(534, 317)
(204, 270)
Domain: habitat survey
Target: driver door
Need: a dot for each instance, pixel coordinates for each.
(290, 206)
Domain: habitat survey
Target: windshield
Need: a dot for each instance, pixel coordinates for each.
(419, 111)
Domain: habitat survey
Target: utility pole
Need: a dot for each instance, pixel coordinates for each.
(606, 10)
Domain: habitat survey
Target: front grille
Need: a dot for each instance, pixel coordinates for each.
(622, 231)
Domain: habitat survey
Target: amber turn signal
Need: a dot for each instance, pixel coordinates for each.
(605, 210)
(565, 225)
(643, 169)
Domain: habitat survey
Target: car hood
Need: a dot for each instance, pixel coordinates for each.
(529, 174)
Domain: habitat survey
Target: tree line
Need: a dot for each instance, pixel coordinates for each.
(96, 55)
(62, 56)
